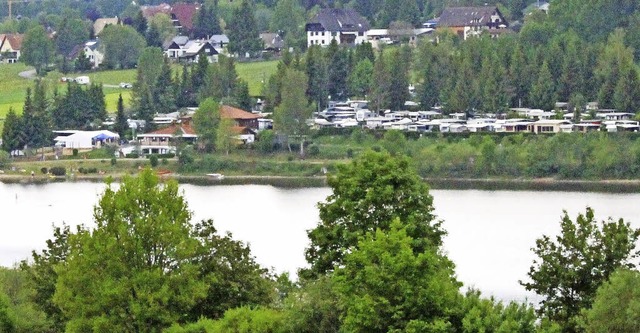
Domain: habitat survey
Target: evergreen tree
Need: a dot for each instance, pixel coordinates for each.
(12, 132)
(83, 63)
(121, 126)
(243, 31)
(380, 84)
(152, 36)
(494, 94)
(140, 23)
(206, 22)
(338, 72)
(316, 72)
(98, 106)
(626, 96)
(184, 89)
(163, 92)
(543, 93)
(360, 78)
(241, 95)
(398, 82)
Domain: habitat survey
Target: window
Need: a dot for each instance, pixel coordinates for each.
(323, 41)
(360, 33)
(323, 33)
(334, 34)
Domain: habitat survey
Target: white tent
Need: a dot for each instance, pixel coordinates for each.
(86, 139)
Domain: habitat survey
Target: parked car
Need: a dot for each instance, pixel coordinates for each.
(125, 85)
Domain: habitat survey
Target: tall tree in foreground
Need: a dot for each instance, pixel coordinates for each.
(135, 271)
(368, 194)
(616, 306)
(291, 115)
(386, 286)
(571, 267)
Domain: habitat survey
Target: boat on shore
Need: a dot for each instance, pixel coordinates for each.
(217, 176)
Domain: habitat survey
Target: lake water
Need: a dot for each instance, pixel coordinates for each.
(490, 233)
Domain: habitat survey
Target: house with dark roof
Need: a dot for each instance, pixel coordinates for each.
(345, 26)
(10, 47)
(182, 49)
(473, 21)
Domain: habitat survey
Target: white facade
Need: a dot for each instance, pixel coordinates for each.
(324, 38)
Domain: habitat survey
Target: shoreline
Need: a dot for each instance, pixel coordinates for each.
(486, 184)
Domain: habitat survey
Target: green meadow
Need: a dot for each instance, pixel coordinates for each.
(13, 87)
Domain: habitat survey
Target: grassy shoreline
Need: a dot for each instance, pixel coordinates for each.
(486, 184)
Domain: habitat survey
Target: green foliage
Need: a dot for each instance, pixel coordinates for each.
(226, 138)
(248, 320)
(122, 45)
(313, 308)
(367, 195)
(206, 121)
(58, 171)
(294, 110)
(385, 285)
(37, 49)
(153, 159)
(266, 141)
(12, 132)
(571, 267)
(243, 32)
(134, 272)
(616, 305)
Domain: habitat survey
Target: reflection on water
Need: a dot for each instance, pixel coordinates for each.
(490, 233)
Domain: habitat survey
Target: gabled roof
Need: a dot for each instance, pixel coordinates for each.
(92, 44)
(150, 11)
(193, 47)
(13, 40)
(100, 23)
(227, 111)
(272, 40)
(467, 16)
(184, 13)
(339, 20)
(183, 129)
(219, 39)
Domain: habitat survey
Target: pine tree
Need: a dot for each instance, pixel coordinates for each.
(163, 98)
(398, 83)
(380, 85)
(316, 72)
(241, 95)
(543, 92)
(98, 106)
(243, 31)
(121, 125)
(12, 132)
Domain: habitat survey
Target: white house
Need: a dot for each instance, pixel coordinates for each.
(183, 49)
(345, 26)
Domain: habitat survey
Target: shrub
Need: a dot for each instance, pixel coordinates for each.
(164, 161)
(313, 150)
(44, 170)
(58, 171)
(113, 161)
(5, 159)
(154, 160)
(75, 152)
(132, 155)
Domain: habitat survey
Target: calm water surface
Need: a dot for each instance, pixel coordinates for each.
(490, 232)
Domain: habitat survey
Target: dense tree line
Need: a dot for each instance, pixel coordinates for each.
(78, 108)
(376, 264)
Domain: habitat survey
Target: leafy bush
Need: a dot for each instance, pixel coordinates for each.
(132, 155)
(58, 171)
(44, 170)
(313, 150)
(5, 159)
(113, 161)
(87, 170)
(154, 160)
(75, 152)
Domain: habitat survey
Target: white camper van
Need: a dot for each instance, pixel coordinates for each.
(82, 80)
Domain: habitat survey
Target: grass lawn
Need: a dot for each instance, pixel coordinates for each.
(256, 74)
(13, 87)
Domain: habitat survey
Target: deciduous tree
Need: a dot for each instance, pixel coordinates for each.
(291, 115)
(571, 267)
(367, 195)
(37, 49)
